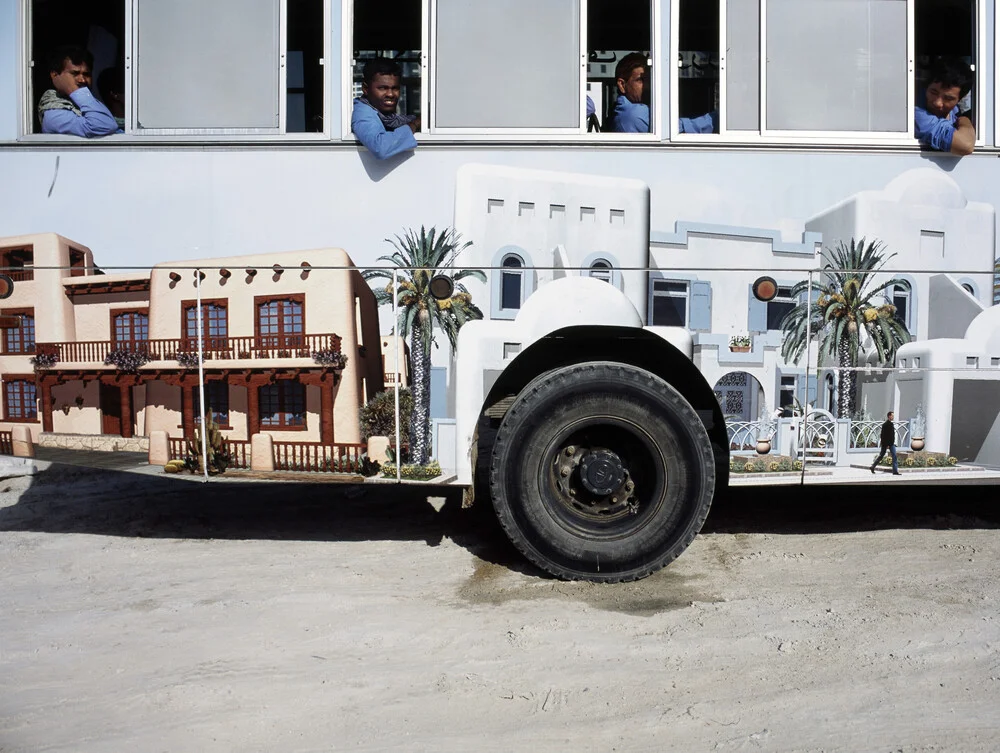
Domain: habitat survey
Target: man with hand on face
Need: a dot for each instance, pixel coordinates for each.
(937, 122)
(70, 107)
(375, 121)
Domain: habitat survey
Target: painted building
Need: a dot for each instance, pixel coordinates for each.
(118, 354)
(531, 227)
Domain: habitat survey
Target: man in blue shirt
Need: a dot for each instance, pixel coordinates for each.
(937, 122)
(631, 110)
(375, 121)
(70, 107)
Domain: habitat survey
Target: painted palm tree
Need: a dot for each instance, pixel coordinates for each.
(849, 302)
(420, 257)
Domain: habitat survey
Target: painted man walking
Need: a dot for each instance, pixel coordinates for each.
(887, 442)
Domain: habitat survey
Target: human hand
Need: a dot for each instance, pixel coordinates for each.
(414, 124)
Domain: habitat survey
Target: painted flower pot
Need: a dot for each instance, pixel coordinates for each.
(917, 444)
(763, 446)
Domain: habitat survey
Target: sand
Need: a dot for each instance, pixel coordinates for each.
(142, 613)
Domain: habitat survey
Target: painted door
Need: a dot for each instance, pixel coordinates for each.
(111, 409)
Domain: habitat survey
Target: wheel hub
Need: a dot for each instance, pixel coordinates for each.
(601, 472)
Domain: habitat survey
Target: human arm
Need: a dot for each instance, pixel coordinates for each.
(95, 120)
(383, 144)
(963, 140)
(944, 135)
(707, 123)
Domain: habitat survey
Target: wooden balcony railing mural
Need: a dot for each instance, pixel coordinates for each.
(316, 457)
(239, 451)
(185, 349)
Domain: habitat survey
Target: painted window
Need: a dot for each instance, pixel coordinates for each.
(512, 283)
(901, 298)
(601, 270)
(192, 56)
(669, 305)
(18, 263)
(786, 394)
(22, 339)
(779, 307)
(19, 400)
(77, 263)
(283, 405)
(214, 323)
(281, 322)
(130, 328)
(217, 398)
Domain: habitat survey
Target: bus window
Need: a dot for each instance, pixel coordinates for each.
(304, 80)
(503, 66)
(97, 26)
(831, 71)
(697, 83)
(948, 29)
(391, 29)
(615, 28)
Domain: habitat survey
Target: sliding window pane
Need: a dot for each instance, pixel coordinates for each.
(743, 65)
(514, 64)
(207, 65)
(837, 65)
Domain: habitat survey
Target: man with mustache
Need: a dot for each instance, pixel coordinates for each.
(375, 121)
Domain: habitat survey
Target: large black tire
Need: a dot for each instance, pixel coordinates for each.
(601, 472)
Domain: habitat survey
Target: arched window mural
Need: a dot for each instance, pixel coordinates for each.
(511, 284)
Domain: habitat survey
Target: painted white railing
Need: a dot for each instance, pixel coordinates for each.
(743, 435)
(867, 434)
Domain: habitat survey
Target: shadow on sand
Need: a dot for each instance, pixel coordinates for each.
(70, 499)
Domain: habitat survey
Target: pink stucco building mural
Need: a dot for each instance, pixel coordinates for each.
(117, 354)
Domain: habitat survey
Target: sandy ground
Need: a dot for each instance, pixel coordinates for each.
(151, 614)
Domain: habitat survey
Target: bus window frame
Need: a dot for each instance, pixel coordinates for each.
(134, 134)
(430, 133)
(822, 138)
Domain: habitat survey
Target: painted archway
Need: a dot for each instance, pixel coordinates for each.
(740, 395)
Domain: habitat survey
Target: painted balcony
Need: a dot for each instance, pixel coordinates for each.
(182, 352)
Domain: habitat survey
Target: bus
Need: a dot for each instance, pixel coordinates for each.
(613, 327)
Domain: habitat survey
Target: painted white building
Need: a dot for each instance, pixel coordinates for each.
(532, 227)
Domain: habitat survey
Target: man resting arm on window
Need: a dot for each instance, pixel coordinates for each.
(70, 107)
(631, 111)
(936, 120)
(375, 121)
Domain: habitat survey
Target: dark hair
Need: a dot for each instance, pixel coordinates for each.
(628, 64)
(950, 72)
(381, 66)
(111, 80)
(75, 54)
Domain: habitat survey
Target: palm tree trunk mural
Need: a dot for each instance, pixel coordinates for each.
(846, 381)
(850, 317)
(420, 360)
(420, 258)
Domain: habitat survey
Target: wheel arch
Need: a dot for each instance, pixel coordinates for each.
(627, 345)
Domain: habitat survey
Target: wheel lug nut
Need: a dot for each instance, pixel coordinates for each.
(570, 450)
(564, 472)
